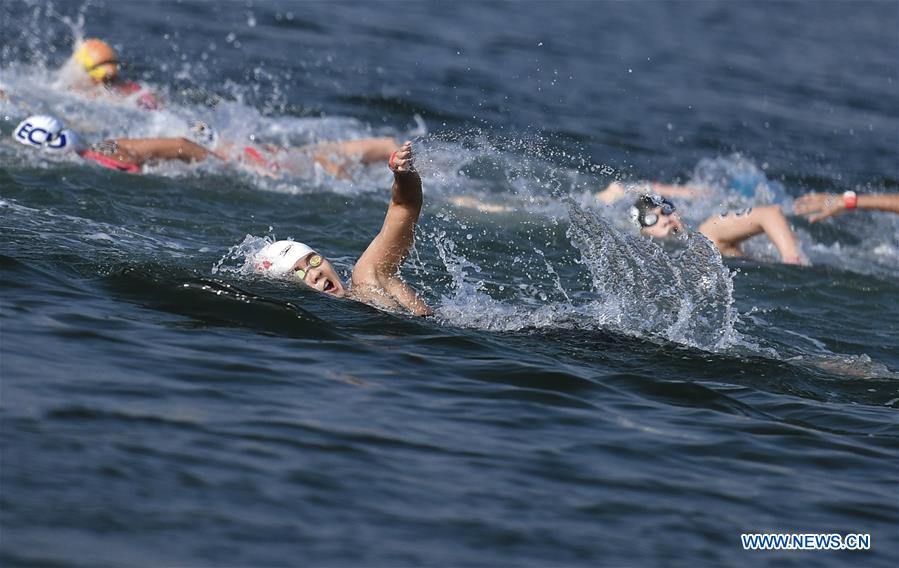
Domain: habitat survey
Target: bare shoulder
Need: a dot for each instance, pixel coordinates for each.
(710, 224)
(368, 288)
(365, 275)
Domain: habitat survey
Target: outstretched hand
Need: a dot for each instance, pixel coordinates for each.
(818, 206)
(402, 161)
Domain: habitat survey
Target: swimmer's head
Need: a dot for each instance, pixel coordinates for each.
(656, 216)
(298, 261)
(202, 133)
(97, 59)
(46, 132)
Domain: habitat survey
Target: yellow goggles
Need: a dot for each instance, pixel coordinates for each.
(97, 71)
(314, 262)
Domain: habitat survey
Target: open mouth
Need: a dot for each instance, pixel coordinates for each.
(329, 287)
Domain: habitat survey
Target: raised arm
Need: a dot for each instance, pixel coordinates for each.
(728, 231)
(823, 205)
(142, 150)
(377, 271)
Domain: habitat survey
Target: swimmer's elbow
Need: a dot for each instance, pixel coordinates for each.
(191, 151)
(404, 209)
(771, 211)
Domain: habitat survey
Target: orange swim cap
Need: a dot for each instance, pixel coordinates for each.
(98, 59)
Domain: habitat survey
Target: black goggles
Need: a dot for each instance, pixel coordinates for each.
(666, 208)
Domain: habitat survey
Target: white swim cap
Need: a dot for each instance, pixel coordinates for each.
(202, 133)
(278, 258)
(46, 132)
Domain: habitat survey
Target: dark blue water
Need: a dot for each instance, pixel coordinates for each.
(580, 398)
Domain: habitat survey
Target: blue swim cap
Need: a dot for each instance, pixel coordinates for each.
(745, 183)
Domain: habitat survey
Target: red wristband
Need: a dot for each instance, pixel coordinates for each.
(850, 200)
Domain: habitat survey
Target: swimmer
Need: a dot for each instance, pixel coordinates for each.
(48, 133)
(335, 158)
(375, 279)
(819, 206)
(94, 66)
(657, 217)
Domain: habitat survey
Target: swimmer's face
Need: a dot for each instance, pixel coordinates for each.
(665, 226)
(106, 73)
(322, 277)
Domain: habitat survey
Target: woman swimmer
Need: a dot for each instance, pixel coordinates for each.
(375, 279)
(125, 154)
(335, 158)
(94, 66)
(657, 217)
